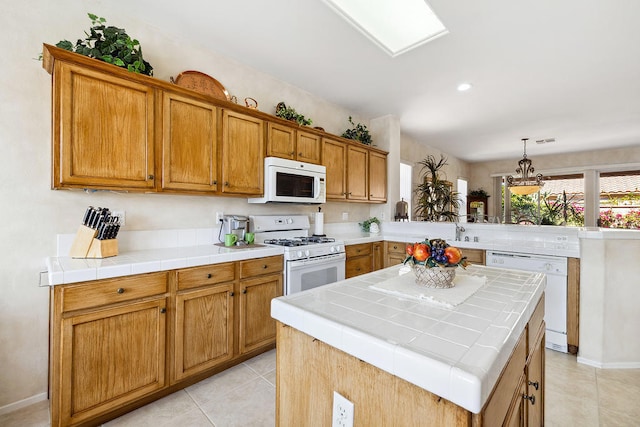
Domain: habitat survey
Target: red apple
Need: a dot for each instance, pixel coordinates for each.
(453, 254)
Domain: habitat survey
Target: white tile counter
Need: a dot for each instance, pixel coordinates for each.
(455, 353)
(64, 269)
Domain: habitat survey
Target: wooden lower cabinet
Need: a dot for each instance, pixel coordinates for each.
(359, 260)
(474, 256)
(117, 344)
(377, 257)
(395, 253)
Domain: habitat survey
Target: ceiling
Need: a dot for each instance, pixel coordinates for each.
(540, 69)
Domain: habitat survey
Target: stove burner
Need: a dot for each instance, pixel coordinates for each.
(300, 241)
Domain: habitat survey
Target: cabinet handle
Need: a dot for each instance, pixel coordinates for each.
(226, 183)
(231, 293)
(300, 154)
(150, 177)
(209, 277)
(214, 182)
(395, 247)
(244, 291)
(120, 290)
(291, 153)
(163, 310)
(531, 398)
(265, 266)
(534, 384)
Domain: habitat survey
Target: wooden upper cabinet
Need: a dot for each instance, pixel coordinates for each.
(281, 141)
(309, 147)
(293, 144)
(189, 144)
(334, 155)
(242, 148)
(357, 173)
(103, 130)
(377, 177)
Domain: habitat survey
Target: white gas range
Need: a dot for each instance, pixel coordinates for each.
(310, 261)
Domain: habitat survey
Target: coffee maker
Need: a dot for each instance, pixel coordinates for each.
(235, 224)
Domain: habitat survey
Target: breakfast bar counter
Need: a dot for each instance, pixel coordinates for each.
(456, 358)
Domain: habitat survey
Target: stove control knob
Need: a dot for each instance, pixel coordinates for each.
(306, 253)
(299, 254)
(332, 249)
(289, 220)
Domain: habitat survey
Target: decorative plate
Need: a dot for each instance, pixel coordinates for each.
(203, 83)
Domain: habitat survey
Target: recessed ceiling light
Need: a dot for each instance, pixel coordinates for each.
(394, 26)
(462, 87)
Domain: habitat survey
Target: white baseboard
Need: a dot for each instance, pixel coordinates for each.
(22, 403)
(611, 365)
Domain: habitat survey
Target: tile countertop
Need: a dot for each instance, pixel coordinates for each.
(64, 269)
(455, 353)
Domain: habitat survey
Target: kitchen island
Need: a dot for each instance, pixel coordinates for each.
(404, 360)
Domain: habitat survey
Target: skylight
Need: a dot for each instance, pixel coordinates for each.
(395, 26)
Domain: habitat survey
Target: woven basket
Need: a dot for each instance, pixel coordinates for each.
(436, 277)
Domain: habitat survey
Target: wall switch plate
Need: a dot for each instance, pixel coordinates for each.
(345, 216)
(342, 411)
(121, 217)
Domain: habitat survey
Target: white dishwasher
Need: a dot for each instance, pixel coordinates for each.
(555, 312)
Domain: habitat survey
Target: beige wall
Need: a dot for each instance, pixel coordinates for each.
(412, 152)
(32, 214)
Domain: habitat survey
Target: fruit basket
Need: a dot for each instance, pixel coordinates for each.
(434, 262)
(434, 277)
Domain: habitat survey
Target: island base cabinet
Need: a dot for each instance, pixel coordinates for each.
(309, 371)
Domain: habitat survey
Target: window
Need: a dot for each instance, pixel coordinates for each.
(406, 192)
(462, 196)
(619, 199)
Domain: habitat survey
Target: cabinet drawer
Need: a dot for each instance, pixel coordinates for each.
(474, 256)
(396, 248)
(535, 323)
(496, 408)
(208, 275)
(358, 250)
(110, 291)
(258, 267)
(358, 266)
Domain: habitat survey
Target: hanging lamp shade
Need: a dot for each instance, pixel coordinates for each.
(527, 182)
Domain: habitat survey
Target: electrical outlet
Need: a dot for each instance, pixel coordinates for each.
(219, 216)
(121, 217)
(345, 216)
(342, 411)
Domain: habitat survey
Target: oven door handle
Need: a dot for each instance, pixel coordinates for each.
(302, 263)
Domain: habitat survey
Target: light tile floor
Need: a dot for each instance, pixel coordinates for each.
(576, 395)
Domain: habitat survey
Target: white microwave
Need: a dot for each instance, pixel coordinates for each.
(290, 181)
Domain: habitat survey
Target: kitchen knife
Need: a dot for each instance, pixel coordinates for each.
(87, 214)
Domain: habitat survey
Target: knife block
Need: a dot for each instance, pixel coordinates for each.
(85, 245)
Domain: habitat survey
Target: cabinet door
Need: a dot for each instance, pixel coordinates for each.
(257, 327)
(242, 154)
(203, 329)
(111, 357)
(474, 256)
(308, 147)
(517, 415)
(281, 141)
(357, 266)
(334, 158)
(189, 156)
(535, 386)
(357, 173)
(377, 177)
(103, 130)
(378, 256)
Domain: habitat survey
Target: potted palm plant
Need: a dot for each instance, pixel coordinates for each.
(436, 200)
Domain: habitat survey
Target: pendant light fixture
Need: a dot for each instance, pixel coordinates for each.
(527, 183)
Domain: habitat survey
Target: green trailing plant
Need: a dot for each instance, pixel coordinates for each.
(110, 44)
(366, 225)
(358, 132)
(289, 113)
(479, 193)
(436, 200)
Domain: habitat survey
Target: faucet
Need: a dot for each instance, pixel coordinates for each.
(459, 230)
